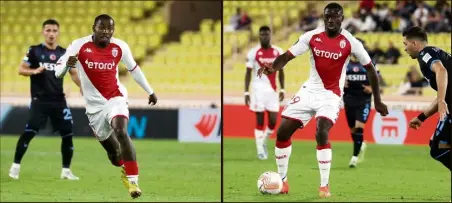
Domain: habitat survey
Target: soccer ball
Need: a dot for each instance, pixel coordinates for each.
(269, 183)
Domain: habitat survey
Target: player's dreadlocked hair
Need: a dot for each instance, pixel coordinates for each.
(50, 22)
(264, 28)
(103, 17)
(415, 32)
(333, 5)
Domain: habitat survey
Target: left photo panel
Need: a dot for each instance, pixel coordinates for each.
(110, 101)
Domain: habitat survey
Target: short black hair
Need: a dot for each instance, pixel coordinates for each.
(334, 5)
(103, 17)
(415, 32)
(264, 28)
(50, 22)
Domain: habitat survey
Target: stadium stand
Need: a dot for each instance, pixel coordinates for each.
(174, 69)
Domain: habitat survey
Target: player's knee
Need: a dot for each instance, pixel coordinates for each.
(283, 134)
(121, 132)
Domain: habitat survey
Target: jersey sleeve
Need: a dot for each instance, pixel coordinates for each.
(29, 57)
(431, 56)
(250, 59)
(71, 50)
(359, 51)
(301, 45)
(127, 57)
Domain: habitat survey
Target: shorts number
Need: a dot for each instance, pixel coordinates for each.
(67, 114)
(295, 100)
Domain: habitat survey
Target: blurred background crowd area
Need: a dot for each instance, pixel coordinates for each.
(180, 55)
(378, 23)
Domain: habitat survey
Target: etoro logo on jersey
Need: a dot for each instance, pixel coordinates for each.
(100, 65)
(327, 54)
(266, 60)
(391, 129)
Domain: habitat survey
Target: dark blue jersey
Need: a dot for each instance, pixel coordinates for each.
(45, 85)
(356, 76)
(426, 58)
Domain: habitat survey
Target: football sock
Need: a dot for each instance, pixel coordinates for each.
(269, 131)
(259, 135)
(283, 149)
(324, 156)
(131, 168)
(22, 144)
(357, 137)
(67, 149)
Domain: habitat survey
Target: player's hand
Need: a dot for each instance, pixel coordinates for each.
(367, 89)
(38, 70)
(381, 108)
(266, 69)
(415, 123)
(442, 109)
(281, 96)
(152, 99)
(247, 100)
(72, 60)
(346, 84)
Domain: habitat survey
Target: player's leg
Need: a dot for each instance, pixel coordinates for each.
(296, 114)
(61, 119)
(327, 107)
(118, 117)
(257, 106)
(351, 121)
(359, 147)
(260, 136)
(440, 145)
(36, 117)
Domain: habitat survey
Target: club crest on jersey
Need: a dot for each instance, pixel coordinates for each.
(114, 52)
(52, 57)
(342, 44)
(259, 53)
(275, 53)
(356, 69)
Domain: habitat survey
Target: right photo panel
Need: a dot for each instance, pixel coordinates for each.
(342, 101)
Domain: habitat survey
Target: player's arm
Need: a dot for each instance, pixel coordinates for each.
(25, 70)
(416, 122)
(441, 83)
(282, 60)
(24, 67)
(137, 74)
(364, 58)
(74, 76)
(281, 84)
(67, 61)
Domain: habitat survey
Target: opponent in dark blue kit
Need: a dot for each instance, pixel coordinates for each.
(436, 66)
(357, 102)
(47, 98)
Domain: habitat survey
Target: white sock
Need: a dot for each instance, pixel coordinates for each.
(268, 132)
(324, 157)
(15, 165)
(259, 135)
(66, 170)
(133, 179)
(282, 160)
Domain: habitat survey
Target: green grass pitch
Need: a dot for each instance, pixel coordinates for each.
(388, 173)
(169, 171)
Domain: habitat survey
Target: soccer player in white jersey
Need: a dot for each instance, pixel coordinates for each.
(330, 50)
(264, 96)
(96, 58)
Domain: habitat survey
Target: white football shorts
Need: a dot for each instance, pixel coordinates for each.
(307, 103)
(100, 121)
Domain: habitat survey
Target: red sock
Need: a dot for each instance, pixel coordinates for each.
(131, 168)
(120, 162)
